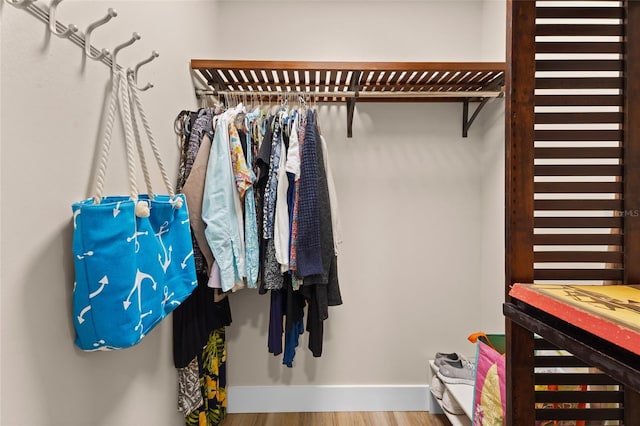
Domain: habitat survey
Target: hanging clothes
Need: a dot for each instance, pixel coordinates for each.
(199, 345)
(308, 254)
(252, 245)
(269, 219)
(219, 210)
(322, 290)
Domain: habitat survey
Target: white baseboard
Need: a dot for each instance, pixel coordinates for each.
(284, 399)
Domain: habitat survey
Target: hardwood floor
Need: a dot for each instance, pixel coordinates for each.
(386, 418)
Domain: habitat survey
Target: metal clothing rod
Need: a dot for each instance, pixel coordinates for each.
(353, 94)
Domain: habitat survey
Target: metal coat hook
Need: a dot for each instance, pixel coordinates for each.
(52, 22)
(87, 37)
(21, 3)
(154, 55)
(114, 63)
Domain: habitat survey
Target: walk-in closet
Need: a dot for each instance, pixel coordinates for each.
(334, 201)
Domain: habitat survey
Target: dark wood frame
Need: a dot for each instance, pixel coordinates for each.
(521, 320)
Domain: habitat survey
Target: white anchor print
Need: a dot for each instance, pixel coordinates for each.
(167, 254)
(135, 237)
(116, 210)
(82, 314)
(75, 217)
(184, 262)
(140, 277)
(167, 297)
(103, 282)
(80, 257)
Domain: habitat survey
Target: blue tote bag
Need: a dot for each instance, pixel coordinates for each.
(133, 254)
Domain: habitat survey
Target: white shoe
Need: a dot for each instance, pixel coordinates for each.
(450, 404)
(437, 387)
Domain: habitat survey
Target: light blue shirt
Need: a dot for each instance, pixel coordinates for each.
(218, 213)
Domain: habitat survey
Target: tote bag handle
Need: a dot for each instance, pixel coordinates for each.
(124, 94)
(137, 104)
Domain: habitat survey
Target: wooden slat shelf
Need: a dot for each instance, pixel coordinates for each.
(463, 82)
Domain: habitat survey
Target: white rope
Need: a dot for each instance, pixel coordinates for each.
(125, 111)
(106, 144)
(143, 162)
(147, 128)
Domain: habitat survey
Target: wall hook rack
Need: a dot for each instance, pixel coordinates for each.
(20, 3)
(153, 56)
(66, 32)
(71, 33)
(134, 37)
(111, 13)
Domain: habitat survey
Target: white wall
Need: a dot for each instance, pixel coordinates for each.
(491, 119)
(409, 187)
(51, 111)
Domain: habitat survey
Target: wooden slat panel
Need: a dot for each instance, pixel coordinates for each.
(579, 47)
(467, 77)
(577, 239)
(579, 414)
(578, 222)
(486, 78)
(579, 274)
(400, 79)
(391, 86)
(455, 79)
(579, 100)
(578, 187)
(578, 170)
(582, 152)
(579, 83)
(578, 117)
(208, 77)
(578, 135)
(542, 344)
(632, 146)
(578, 30)
(423, 77)
(578, 256)
(610, 397)
(573, 379)
(579, 65)
(558, 361)
(343, 78)
(580, 12)
(392, 77)
(569, 205)
(245, 81)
